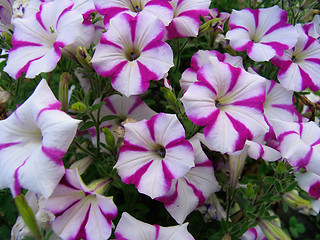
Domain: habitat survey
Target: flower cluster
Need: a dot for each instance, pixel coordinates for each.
(139, 131)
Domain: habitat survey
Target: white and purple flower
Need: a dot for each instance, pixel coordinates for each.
(228, 101)
(263, 33)
(81, 211)
(191, 191)
(132, 53)
(32, 142)
(299, 67)
(154, 153)
(38, 39)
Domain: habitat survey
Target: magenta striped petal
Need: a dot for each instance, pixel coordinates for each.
(130, 228)
(154, 153)
(264, 33)
(309, 182)
(33, 140)
(228, 101)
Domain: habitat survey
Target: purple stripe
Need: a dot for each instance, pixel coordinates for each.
(162, 3)
(169, 199)
(67, 9)
(255, 14)
(247, 46)
(157, 231)
(16, 185)
(132, 23)
(109, 216)
(57, 45)
(58, 214)
(314, 190)
(146, 76)
(173, 31)
(114, 72)
(197, 193)
(136, 177)
(201, 76)
(206, 163)
(52, 106)
(303, 162)
(82, 229)
(300, 128)
(283, 135)
(105, 41)
(235, 73)
(17, 44)
(307, 81)
(272, 84)
(315, 143)
(6, 145)
(25, 68)
(155, 43)
(289, 108)
(261, 152)
(54, 154)
(65, 182)
(150, 125)
(168, 176)
(130, 147)
(277, 26)
(313, 60)
(210, 122)
(38, 16)
(178, 142)
(136, 104)
(110, 12)
(309, 42)
(120, 237)
(254, 102)
(109, 105)
(244, 132)
(278, 47)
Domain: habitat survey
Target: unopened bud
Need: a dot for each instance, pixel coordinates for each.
(65, 78)
(83, 57)
(78, 107)
(82, 164)
(293, 199)
(108, 136)
(272, 231)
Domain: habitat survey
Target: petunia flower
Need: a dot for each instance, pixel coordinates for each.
(124, 108)
(228, 101)
(299, 67)
(154, 153)
(263, 33)
(130, 228)
(32, 142)
(159, 8)
(81, 211)
(201, 57)
(299, 143)
(132, 53)
(254, 233)
(186, 18)
(38, 39)
(191, 191)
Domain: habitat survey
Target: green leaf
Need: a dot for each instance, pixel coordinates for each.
(86, 125)
(291, 186)
(96, 106)
(277, 184)
(108, 117)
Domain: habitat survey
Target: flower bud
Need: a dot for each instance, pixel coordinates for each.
(83, 57)
(293, 199)
(108, 136)
(65, 78)
(78, 107)
(272, 231)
